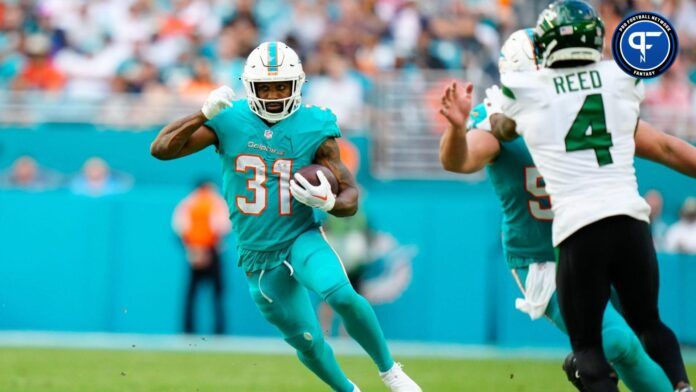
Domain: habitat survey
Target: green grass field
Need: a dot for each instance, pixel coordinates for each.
(95, 371)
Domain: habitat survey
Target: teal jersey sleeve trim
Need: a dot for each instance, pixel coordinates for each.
(215, 124)
(477, 116)
(327, 121)
(223, 124)
(332, 130)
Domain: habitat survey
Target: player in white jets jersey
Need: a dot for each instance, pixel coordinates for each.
(578, 117)
(565, 116)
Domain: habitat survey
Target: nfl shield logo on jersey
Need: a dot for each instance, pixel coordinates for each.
(645, 45)
(268, 134)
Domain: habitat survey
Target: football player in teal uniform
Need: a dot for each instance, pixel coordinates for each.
(263, 141)
(527, 215)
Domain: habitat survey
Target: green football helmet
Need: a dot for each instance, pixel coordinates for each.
(569, 33)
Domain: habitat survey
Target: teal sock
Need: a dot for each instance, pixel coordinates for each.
(361, 324)
(318, 356)
(625, 353)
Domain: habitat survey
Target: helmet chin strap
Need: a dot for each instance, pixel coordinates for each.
(285, 103)
(259, 105)
(288, 106)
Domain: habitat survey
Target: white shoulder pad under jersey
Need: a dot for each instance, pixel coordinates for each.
(579, 125)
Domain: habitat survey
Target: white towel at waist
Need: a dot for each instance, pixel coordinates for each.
(539, 288)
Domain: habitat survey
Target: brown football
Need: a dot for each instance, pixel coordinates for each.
(310, 173)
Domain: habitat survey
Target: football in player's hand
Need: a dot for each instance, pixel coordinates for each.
(310, 173)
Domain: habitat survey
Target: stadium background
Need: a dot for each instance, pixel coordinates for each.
(98, 78)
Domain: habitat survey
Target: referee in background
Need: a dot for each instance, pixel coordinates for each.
(200, 220)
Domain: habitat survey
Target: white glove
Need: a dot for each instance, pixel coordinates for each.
(493, 100)
(319, 196)
(217, 101)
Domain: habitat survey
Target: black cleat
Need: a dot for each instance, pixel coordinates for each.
(614, 377)
(571, 370)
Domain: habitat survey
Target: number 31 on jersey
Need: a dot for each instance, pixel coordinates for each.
(256, 205)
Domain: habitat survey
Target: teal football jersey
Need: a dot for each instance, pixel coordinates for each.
(527, 214)
(258, 161)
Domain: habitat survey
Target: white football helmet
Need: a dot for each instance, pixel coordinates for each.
(273, 62)
(517, 53)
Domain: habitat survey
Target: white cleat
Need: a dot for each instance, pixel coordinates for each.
(398, 381)
(355, 387)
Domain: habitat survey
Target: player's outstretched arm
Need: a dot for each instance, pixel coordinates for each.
(668, 150)
(462, 151)
(183, 137)
(347, 198)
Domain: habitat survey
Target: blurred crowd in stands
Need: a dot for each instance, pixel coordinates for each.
(679, 237)
(95, 178)
(91, 49)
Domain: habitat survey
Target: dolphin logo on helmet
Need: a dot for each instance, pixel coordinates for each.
(517, 53)
(273, 62)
